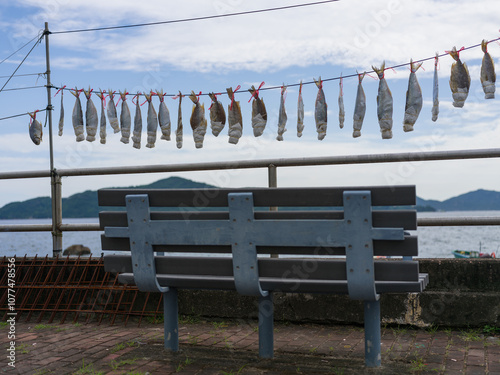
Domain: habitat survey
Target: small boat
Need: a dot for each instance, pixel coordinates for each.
(472, 254)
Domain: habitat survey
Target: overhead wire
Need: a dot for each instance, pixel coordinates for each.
(195, 18)
(25, 75)
(19, 115)
(12, 54)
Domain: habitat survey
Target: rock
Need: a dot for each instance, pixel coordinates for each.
(77, 250)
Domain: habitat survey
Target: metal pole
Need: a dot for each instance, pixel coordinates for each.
(272, 177)
(54, 179)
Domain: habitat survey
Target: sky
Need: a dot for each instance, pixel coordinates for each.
(279, 48)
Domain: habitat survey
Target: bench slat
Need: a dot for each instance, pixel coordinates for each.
(406, 219)
(408, 247)
(263, 197)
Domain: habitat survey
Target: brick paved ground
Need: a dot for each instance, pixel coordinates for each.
(216, 347)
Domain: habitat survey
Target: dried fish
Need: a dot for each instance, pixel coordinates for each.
(234, 117)
(136, 135)
(320, 111)
(217, 115)
(413, 99)
(459, 79)
(125, 119)
(35, 129)
(178, 131)
(112, 115)
(77, 116)
(61, 115)
(435, 91)
(102, 126)
(198, 121)
(341, 103)
(384, 104)
(91, 119)
(152, 122)
(259, 113)
(359, 108)
(300, 113)
(488, 76)
(163, 117)
(282, 117)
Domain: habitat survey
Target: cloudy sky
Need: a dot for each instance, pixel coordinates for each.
(278, 47)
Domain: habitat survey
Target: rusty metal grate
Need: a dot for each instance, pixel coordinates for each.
(73, 288)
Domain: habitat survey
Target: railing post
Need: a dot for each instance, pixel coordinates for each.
(56, 215)
(272, 183)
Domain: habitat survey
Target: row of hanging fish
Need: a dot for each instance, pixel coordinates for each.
(459, 85)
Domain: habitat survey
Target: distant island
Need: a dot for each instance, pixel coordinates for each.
(84, 205)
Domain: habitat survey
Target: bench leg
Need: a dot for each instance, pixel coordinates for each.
(266, 326)
(171, 320)
(372, 334)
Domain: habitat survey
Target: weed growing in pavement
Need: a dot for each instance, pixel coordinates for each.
(433, 328)
(471, 335)
(118, 347)
(231, 372)
(189, 319)
(491, 330)
(338, 371)
(76, 324)
(155, 319)
(88, 369)
(22, 349)
(43, 326)
(218, 325)
(417, 365)
(3, 324)
(181, 365)
(193, 340)
(115, 364)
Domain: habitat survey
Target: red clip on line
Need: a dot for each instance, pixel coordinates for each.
(126, 93)
(62, 88)
(256, 92)
(232, 99)
(33, 117)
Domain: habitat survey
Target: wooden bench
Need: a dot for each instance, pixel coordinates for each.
(225, 237)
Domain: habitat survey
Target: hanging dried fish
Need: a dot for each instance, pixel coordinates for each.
(102, 126)
(300, 113)
(320, 111)
(178, 132)
(282, 117)
(413, 99)
(488, 76)
(359, 108)
(163, 117)
(459, 79)
(259, 113)
(152, 121)
(384, 104)
(136, 135)
(234, 117)
(125, 119)
(435, 91)
(35, 129)
(341, 103)
(77, 116)
(112, 115)
(91, 119)
(198, 121)
(217, 115)
(61, 115)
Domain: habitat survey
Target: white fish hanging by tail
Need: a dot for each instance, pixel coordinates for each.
(384, 104)
(152, 121)
(125, 119)
(282, 117)
(435, 90)
(234, 118)
(459, 79)
(179, 130)
(61, 115)
(35, 129)
(300, 113)
(163, 117)
(91, 119)
(136, 135)
(259, 112)
(198, 121)
(217, 115)
(320, 111)
(413, 99)
(112, 115)
(77, 116)
(488, 76)
(102, 125)
(359, 108)
(341, 103)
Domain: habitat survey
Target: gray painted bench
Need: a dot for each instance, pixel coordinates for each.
(222, 239)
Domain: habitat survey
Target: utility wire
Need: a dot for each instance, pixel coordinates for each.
(195, 18)
(19, 115)
(23, 88)
(21, 63)
(8, 57)
(25, 75)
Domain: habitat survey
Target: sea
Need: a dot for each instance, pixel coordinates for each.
(434, 242)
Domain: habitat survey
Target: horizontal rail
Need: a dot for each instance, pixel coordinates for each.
(94, 227)
(264, 163)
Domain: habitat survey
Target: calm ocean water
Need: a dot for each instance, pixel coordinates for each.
(434, 242)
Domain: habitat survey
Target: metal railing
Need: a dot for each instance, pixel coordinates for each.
(58, 227)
